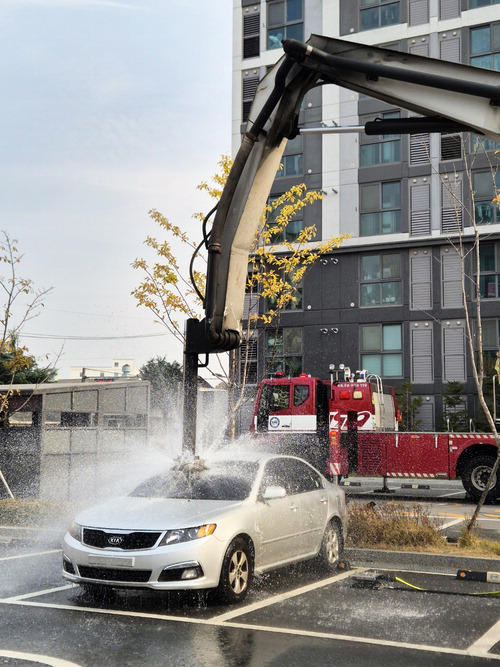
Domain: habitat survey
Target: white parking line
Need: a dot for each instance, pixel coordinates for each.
(475, 651)
(110, 612)
(285, 596)
(488, 640)
(39, 553)
(46, 591)
(36, 657)
(455, 493)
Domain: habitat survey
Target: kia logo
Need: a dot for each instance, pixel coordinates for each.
(115, 540)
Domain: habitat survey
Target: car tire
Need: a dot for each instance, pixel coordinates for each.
(475, 474)
(236, 574)
(332, 546)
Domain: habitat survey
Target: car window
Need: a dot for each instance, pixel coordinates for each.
(302, 478)
(275, 474)
(231, 481)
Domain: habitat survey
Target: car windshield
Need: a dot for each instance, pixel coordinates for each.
(221, 481)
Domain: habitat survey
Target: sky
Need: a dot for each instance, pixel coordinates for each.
(109, 108)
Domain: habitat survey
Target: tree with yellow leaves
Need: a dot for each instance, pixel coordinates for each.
(278, 261)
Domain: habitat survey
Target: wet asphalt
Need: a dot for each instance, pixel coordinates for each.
(292, 617)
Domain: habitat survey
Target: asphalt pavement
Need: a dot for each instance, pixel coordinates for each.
(293, 616)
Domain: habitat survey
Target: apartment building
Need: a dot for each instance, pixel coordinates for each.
(389, 300)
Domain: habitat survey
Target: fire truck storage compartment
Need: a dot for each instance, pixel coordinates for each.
(417, 454)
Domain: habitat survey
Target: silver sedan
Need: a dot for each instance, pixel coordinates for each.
(209, 525)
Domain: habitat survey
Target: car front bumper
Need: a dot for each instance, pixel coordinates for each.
(142, 569)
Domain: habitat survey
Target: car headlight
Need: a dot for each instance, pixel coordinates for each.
(187, 534)
(75, 530)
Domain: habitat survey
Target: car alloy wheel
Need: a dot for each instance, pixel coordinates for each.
(331, 547)
(236, 572)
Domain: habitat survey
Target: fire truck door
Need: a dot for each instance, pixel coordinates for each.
(416, 455)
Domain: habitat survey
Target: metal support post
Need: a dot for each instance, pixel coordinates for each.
(190, 392)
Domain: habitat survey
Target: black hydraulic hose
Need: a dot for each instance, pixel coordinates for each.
(273, 99)
(204, 240)
(204, 225)
(303, 52)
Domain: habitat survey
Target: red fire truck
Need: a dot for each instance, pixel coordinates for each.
(349, 425)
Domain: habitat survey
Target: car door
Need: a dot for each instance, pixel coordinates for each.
(306, 489)
(279, 522)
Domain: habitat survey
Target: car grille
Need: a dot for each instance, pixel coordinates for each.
(104, 539)
(109, 574)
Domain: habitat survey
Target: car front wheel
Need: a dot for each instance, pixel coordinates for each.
(236, 572)
(331, 546)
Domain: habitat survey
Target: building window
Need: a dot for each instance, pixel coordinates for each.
(380, 208)
(451, 146)
(250, 82)
(483, 145)
(285, 20)
(284, 351)
(451, 204)
(248, 359)
(381, 149)
(380, 280)
(381, 349)
(251, 33)
(489, 280)
(486, 186)
(292, 160)
(377, 13)
(485, 46)
(482, 3)
(292, 229)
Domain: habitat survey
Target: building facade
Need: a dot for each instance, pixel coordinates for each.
(389, 300)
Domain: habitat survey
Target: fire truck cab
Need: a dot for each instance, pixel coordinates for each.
(307, 404)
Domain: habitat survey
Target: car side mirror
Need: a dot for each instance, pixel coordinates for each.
(272, 492)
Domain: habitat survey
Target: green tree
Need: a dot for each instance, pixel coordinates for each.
(408, 405)
(165, 378)
(17, 366)
(454, 412)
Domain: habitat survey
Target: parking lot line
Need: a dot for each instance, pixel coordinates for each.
(36, 657)
(285, 596)
(488, 640)
(45, 591)
(471, 651)
(478, 649)
(110, 612)
(39, 553)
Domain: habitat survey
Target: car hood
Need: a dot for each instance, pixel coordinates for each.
(131, 513)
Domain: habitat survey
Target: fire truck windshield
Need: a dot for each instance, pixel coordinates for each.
(274, 398)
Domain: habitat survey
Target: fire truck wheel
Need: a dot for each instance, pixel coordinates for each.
(475, 476)
(332, 546)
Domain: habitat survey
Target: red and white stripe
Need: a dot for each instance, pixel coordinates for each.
(334, 468)
(472, 436)
(413, 474)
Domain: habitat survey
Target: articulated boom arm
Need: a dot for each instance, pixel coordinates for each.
(451, 96)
